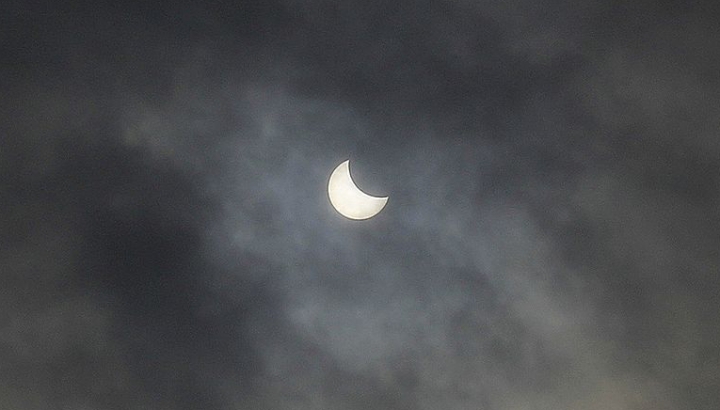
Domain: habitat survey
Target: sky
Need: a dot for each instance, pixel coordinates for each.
(550, 241)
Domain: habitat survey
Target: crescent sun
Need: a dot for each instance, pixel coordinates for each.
(348, 199)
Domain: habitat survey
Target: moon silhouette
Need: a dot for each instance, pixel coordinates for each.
(348, 199)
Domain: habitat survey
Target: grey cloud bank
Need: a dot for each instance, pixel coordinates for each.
(550, 241)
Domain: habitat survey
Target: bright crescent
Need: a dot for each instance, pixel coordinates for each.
(348, 199)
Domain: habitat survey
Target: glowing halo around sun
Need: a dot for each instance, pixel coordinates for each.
(348, 199)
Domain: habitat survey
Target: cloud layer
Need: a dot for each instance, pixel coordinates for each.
(550, 241)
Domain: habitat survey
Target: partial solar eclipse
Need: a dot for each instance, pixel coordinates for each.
(348, 199)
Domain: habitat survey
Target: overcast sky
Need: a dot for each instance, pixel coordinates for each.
(551, 240)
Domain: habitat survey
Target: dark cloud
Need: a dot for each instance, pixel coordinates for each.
(550, 240)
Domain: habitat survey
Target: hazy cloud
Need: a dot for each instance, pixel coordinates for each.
(549, 243)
